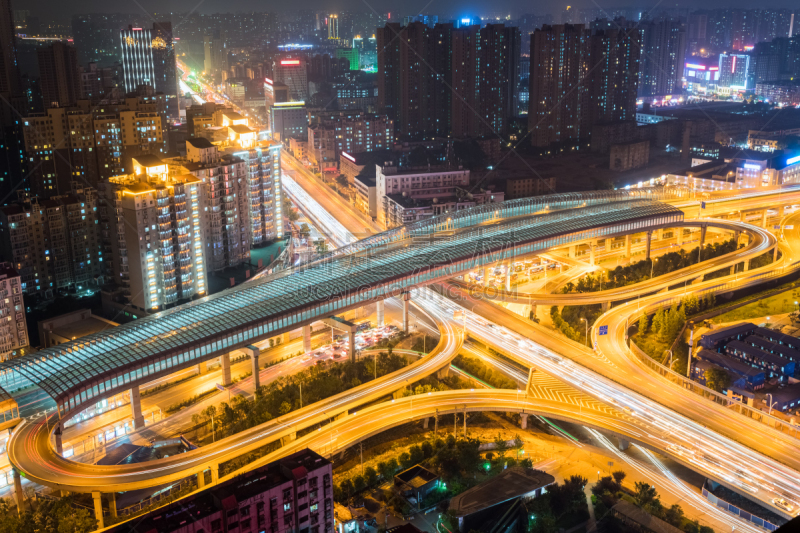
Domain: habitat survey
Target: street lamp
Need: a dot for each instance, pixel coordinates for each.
(771, 403)
(586, 339)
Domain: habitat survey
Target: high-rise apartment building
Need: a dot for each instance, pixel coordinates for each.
(734, 71)
(9, 72)
(613, 77)
(155, 229)
(13, 105)
(54, 243)
(349, 132)
(60, 75)
(102, 84)
(441, 80)
(662, 57)
(13, 329)
(148, 58)
(86, 145)
(292, 72)
(215, 47)
(557, 110)
(499, 70)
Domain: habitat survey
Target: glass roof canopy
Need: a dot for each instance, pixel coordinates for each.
(74, 373)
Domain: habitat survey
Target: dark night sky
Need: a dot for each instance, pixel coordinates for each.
(62, 8)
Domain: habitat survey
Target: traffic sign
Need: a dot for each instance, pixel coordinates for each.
(220, 387)
(702, 205)
(603, 330)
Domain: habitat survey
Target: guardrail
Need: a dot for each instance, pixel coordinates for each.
(144, 504)
(741, 513)
(712, 395)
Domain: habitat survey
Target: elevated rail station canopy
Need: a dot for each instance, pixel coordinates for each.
(81, 372)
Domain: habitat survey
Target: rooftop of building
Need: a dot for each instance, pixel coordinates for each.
(645, 519)
(392, 169)
(416, 476)
(199, 142)
(511, 483)
(781, 394)
(80, 327)
(773, 347)
(757, 353)
(7, 271)
(373, 157)
(148, 160)
(240, 128)
(777, 336)
(744, 328)
(729, 363)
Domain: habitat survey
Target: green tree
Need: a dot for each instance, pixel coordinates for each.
(674, 515)
(321, 246)
(717, 379)
(644, 323)
(644, 493)
(370, 476)
(619, 476)
(348, 489)
(500, 445)
(359, 483)
(405, 460)
(341, 180)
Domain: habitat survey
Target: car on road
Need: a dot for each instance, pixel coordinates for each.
(783, 504)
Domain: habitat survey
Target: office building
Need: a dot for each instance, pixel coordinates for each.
(13, 328)
(733, 71)
(288, 495)
(54, 244)
(662, 57)
(292, 71)
(349, 132)
(156, 235)
(289, 121)
(148, 58)
(557, 111)
(59, 74)
(333, 26)
(350, 54)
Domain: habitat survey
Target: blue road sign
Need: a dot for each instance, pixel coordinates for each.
(702, 205)
(603, 330)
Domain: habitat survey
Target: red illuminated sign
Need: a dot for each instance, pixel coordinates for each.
(733, 64)
(268, 81)
(348, 156)
(290, 62)
(137, 29)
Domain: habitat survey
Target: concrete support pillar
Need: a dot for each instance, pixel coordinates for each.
(254, 352)
(406, 299)
(628, 246)
(425, 422)
(592, 246)
(443, 372)
(136, 408)
(764, 218)
(351, 345)
(98, 509)
(623, 445)
(606, 306)
(225, 363)
(202, 368)
(485, 276)
(679, 236)
(780, 211)
(214, 474)
(774, 254)
(523, 421)
(703, 232)
(733, 267)
(742, 216)
(647, 245)
(380, 308)
(59, 440)
(112, 504)
(201, 479)
(18, 494)
(508, 277)
(572, 251)
(307, 338)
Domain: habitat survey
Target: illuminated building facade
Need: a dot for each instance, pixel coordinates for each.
(733, 71)
(148, 58)
(292, 72)
(156, 234)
